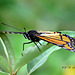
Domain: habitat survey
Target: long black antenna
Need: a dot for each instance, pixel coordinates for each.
(11, 26)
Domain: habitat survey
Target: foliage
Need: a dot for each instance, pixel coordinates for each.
(32, 57)
(50, 15)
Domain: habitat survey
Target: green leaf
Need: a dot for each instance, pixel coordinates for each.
(3, 73)
(30, 54)
(5, 64)
(8, 50)
(40, 60)
(23, 71)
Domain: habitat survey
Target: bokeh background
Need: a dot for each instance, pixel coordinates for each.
(50, 15)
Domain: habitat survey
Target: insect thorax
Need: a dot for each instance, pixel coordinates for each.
(32, 35)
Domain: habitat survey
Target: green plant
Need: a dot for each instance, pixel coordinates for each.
(31, 59)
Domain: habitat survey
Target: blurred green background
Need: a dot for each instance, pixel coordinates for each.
(50, 15)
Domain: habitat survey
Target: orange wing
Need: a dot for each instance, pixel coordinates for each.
(58, 39)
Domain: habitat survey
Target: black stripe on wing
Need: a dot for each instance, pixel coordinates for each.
(61, 40)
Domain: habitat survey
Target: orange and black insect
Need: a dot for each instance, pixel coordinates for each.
(56, 38)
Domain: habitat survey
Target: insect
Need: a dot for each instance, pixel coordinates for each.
(56, 38)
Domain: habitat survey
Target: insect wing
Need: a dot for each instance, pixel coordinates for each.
(58, 39)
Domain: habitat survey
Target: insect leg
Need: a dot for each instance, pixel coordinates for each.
(40, 43)
(37, 46)
(26, 43)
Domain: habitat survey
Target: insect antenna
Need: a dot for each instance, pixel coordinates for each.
(10, 26)
(25, 29)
